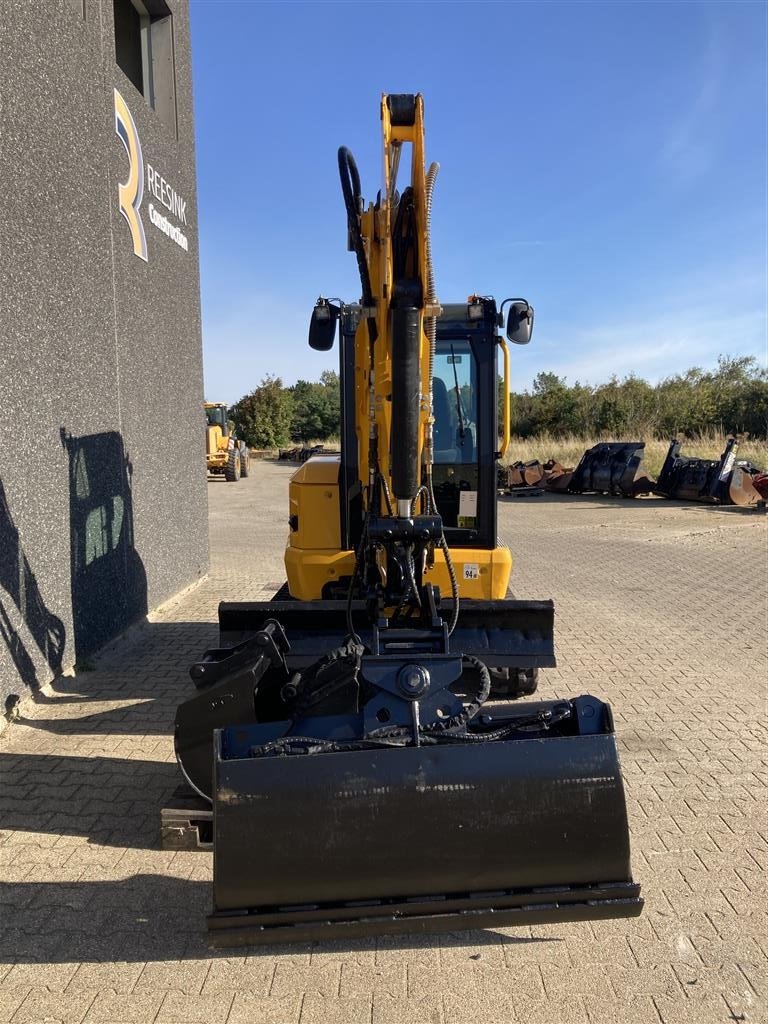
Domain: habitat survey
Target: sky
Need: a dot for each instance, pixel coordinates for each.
(607, 161)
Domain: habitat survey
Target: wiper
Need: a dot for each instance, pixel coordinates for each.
(458, 394)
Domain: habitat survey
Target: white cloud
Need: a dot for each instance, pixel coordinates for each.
(651, 348)
(689, 146)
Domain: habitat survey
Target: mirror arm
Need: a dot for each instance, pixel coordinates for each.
(501, 308)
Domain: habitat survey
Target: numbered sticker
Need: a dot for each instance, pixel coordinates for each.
(471, 571)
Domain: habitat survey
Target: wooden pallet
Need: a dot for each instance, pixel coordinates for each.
(186, 822)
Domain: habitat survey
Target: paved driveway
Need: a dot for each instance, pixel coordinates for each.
(661, 609)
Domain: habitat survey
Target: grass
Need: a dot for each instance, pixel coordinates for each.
(569, 449)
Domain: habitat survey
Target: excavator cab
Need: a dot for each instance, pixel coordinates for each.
(362, 782)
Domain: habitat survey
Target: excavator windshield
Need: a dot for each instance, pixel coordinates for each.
(458, 435)
(454, 400)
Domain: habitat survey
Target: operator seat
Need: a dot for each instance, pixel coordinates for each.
(444, 429)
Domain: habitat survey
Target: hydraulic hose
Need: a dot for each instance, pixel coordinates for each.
(430, 329)
(353, 202)
(430, 322)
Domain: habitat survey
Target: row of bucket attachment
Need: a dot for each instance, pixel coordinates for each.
(616, 468)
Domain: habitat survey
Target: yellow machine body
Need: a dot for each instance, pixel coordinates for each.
(216, 440)
(225, 454)
(315, 561)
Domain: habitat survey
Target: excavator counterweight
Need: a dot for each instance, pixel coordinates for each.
(363, 780)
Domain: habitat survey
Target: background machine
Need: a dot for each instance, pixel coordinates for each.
(225, 453)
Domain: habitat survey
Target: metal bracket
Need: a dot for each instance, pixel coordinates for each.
(217, 662)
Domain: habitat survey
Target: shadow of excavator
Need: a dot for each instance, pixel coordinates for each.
(108, 580)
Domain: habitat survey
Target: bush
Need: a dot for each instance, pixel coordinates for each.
(316, 408)
(731, 398)
(263, 418)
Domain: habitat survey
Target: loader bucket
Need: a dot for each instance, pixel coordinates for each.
(317, 846)
(610, 468)
(722, 481)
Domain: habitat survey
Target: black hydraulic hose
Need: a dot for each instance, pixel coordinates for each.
(350, 187)
(470, 709)
(399, 736)
(355, 575)
(541, 720)
(443, 545)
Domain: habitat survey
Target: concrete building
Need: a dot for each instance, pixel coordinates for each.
(102, 483)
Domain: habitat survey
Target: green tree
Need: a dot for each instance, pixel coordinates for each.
(263, 417)
(316, 408)
(556, 407)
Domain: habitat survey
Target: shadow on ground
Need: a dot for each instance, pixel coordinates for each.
(156, 917)
(120, 673)
(620, 503)
(110, 801)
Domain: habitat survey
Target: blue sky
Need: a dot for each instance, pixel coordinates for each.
(605, 160)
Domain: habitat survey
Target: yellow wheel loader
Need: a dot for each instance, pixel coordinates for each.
(362, 783)
(225, 454)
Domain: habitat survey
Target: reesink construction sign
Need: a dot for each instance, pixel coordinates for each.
(131, 192)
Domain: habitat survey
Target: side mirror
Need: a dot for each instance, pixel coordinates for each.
(322, 326)
(520, 322)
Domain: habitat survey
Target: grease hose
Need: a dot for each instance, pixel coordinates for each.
(430, 329)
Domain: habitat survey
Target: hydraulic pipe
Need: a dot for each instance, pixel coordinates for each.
(406, 393)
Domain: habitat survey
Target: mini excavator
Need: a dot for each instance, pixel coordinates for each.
(362, 780)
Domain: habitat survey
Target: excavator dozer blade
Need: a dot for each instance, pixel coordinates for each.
(518, 634)
(317, 846)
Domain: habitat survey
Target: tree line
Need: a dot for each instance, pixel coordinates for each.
(731, 398)
(273, 415)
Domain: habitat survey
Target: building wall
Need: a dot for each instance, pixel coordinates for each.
(103, 508)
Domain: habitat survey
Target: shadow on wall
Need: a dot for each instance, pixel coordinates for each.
(108, 581)
(109, 584)
(19, 590)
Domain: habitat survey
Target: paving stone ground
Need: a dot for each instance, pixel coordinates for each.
(661, 609)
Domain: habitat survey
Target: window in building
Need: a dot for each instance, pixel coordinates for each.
(144, 51)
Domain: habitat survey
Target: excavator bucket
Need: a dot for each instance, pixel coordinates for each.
(387, 824)
(528, 830)
(230, 683)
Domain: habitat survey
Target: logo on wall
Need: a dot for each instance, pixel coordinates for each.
(132, 191)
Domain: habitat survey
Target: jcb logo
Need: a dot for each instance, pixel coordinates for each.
(132, 192)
